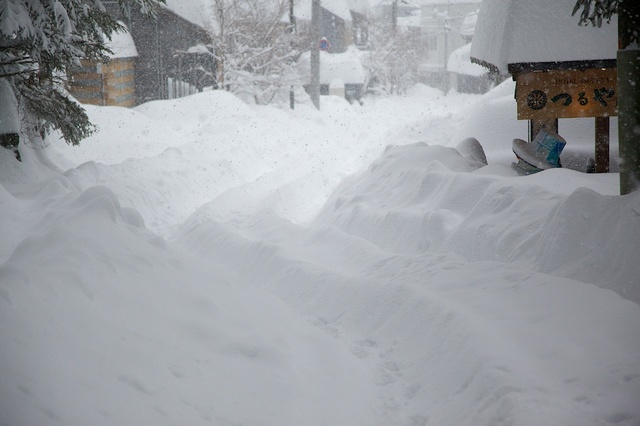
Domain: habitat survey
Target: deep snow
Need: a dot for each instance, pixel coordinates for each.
(204, 261)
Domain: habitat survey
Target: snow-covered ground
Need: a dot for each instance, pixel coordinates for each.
(203, 261)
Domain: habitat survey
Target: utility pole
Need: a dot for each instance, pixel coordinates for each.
(394, 16)
(314, 83)
(628, 61)
(446, 28)
(292, 29)
(394, 47)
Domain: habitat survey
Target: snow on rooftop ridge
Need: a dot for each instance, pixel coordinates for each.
(122, 44)
(360, 6)
(345, 66)
(419, 3)
(194, 11)
(443, 2)
(450, 1)
(525, 31)
(340, 8)
(460, 62)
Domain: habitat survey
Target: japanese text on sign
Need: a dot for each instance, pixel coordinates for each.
(567, 94)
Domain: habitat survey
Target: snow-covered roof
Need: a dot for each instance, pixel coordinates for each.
(121, 44)
(345, 66)
(460, 63)
(525, 31)
(418, 3)
(412, 21)
(445, 2)
(360, 6)
(340, 8)
(194, 11)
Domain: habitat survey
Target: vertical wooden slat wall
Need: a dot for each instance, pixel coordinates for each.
(86, 84)
(113, 86)
(119, 83)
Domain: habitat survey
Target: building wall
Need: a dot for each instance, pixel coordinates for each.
(339, 32)
(119, 82)
(470, 84)
(159, 42)
(110, 84)
(85, 84)
(336, 30)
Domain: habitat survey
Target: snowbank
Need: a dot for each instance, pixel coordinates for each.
(422, 199)
(102, 323)
(204, 261)
(407, 263)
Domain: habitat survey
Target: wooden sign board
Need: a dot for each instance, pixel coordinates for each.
(567, 94)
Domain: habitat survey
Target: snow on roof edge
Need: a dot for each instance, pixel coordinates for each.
(522, 31)
(459, 62)
(302, 9)
(194, 11)
(122, 44)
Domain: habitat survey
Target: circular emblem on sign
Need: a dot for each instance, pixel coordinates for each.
(324, 44)
(537, 99)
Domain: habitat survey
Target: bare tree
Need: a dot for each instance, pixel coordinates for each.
(395, 57)
(254, 47)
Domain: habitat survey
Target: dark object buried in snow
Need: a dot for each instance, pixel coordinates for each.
(9, 119)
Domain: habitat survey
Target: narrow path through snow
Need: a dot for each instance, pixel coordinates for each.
(449, 341)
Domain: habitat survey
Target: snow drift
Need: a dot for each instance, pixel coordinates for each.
(202, 261)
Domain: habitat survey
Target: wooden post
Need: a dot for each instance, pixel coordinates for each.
(602, 144)
(629, 96)
(537, 125)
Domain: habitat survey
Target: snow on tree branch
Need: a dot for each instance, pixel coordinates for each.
(40, 40)
(255, 51)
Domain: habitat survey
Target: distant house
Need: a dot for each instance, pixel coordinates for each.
(168, 64)
(336, 24)
(112, 83)
(464, 75)
(444, 31)
(344, 69)
(389, 10)
(339, 63)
